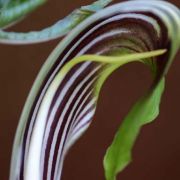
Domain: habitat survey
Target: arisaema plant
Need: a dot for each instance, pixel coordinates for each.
(62, 102)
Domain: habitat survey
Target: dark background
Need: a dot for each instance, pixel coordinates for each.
(156, 155)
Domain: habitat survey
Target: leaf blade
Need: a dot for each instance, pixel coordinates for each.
(118, 155)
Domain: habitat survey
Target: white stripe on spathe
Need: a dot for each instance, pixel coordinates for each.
(58, 168)
(69, 136)
(82, 121)
(78, 118)
(67, 145)
(61, 148)
(51, 118)
(61, 96)
(32, 165)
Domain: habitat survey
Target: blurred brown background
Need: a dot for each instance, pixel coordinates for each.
(156, 154)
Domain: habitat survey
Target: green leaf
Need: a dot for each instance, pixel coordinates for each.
(118, 155)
